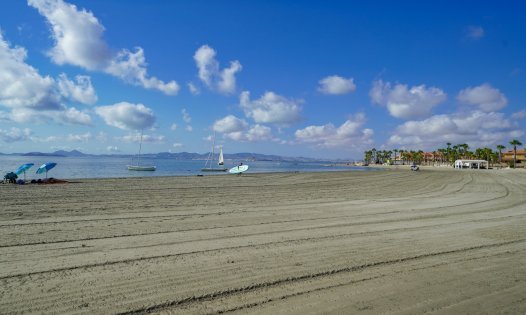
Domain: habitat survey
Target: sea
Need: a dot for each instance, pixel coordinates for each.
(115, 167)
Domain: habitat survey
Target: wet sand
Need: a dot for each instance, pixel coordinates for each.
(390, 241)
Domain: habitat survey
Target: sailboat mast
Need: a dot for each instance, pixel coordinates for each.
(213, 149)
(140, 147)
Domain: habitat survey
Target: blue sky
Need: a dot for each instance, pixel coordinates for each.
(297, 78)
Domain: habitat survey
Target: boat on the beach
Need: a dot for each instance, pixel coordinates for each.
(137, 166)
(210, 160)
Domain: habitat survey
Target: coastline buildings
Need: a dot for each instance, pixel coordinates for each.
(507, 157)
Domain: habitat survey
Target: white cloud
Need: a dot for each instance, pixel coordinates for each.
(519, 115)
(271, 108)
(230, 124)
(22, 85)
(193, 89)
(131, 68)
(239, 130)
(349, 134)
(259, 133)
(186, 116)
(187, 119)
(78, 37)
(178, 145)
(33, 98)
(82, 91)
(484, 96)
(474, 32)
(223, 81)
(252, 134)
(336, 85)
(404, 102)
(476, 128)
(136, 137)
(79, 137)
(15, 134)
(67, 116)
(112, 148)
(173, 127)
(127, 116)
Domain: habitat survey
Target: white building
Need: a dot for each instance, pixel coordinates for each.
(471, 164)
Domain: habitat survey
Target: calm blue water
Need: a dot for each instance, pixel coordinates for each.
(99, 167)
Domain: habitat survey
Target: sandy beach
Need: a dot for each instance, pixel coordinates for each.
(391, 241)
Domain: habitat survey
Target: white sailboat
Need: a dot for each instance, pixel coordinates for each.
(210, 160)
(137, 166)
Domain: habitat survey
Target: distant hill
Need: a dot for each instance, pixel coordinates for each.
(38, 154)
(243, 156)
(70, 153)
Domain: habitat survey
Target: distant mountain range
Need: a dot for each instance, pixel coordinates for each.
(177, 156)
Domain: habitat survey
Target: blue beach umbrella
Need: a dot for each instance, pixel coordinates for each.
(23, 169)
(46, 167)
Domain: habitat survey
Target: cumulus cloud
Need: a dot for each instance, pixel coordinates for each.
(474, 32)
(78, 37)
(229, 124)
(173, 127)
(112, 148)
(252, 134)
(81, 91)
(336, 85)
(128, 116)
(519, 115)
(476, 128)
(239, 130)
(66, 116)
(271, 108)
(487, 98)
(35, 98)
(404, 102)
(15, 134)
(349, 134)
(209, 72)
(131, 68)
(178, 145)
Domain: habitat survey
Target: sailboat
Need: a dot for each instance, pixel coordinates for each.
(138, 166)
(210, 160)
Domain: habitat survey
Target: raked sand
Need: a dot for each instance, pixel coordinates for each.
(392, 241)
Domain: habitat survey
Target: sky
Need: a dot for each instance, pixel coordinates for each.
(322, 79)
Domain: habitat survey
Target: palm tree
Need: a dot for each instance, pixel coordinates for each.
(368, 156)
(488, 154)
(500, 147)
(448, 151)
(515, 143)
(388, 157)
(418, 156)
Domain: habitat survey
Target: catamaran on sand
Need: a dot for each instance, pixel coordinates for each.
(137, 166)
(210, 160)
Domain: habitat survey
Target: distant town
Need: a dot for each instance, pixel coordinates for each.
(509, 156)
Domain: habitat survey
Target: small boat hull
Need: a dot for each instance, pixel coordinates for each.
(214, 169)
(141, 168)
